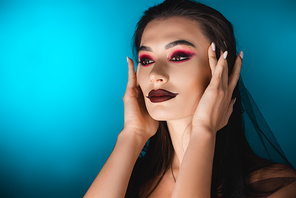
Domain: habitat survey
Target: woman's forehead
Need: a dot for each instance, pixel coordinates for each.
(163, 31)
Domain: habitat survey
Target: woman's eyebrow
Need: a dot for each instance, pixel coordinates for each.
(178, 42)
(168, 46)
(145, 48)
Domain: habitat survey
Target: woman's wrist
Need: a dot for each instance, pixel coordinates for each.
(139, 138)
(203, 131)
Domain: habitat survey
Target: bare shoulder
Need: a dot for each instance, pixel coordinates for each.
(288, 192)
(272, 181)
(276, 170)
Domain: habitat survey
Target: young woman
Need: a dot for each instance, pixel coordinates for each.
(184, 103)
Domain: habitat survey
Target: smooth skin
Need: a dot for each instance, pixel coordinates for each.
(193, 134)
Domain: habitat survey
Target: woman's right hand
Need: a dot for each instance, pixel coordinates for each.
(136, 118)
(138, 128)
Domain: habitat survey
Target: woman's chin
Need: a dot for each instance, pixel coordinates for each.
(169, 112)
(161, 116)
(168, 116)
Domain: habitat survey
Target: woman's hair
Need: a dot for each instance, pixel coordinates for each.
(233, 158)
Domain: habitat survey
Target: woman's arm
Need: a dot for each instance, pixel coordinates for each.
(194, 178)
(212, 113)
(112, 181)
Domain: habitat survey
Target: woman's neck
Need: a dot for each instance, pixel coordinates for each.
(180, 131)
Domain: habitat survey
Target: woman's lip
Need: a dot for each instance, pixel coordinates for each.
(160, 95)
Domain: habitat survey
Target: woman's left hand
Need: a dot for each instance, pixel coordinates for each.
(216, 104)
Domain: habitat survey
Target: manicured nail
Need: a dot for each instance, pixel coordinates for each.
(213, 46)
(241, 54)
(225, 54)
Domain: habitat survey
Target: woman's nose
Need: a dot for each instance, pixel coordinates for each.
(158, 74)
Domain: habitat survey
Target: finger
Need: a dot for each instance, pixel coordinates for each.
(225, 70)
(212, 57)
(217, 75)
(221, 71)
(234, 76)
(132, 79)
(137, 72)
(230, 108)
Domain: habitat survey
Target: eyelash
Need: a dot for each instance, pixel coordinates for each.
(146, 61)
(180, 56)
(176, 57)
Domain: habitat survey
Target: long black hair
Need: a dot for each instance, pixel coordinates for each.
(233, 159)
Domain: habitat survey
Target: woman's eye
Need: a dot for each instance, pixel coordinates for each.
(146, 62)
(180, 57)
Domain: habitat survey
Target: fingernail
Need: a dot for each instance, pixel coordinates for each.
(225, 54)
(241, 54)
(213, 46)
(127, 59)
(234, 101)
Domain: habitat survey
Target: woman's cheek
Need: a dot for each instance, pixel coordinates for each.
(141, 83)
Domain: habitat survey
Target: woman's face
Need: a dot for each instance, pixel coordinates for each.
(173, 69)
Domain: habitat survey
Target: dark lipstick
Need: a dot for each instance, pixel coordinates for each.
(160, 95)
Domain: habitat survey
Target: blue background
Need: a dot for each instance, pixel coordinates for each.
(63, 74)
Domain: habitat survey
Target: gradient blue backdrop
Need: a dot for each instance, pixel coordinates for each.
(63, 73)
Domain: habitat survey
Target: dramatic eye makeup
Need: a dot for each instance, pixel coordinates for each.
(181, 56)
(177, 56)
(146, 60)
